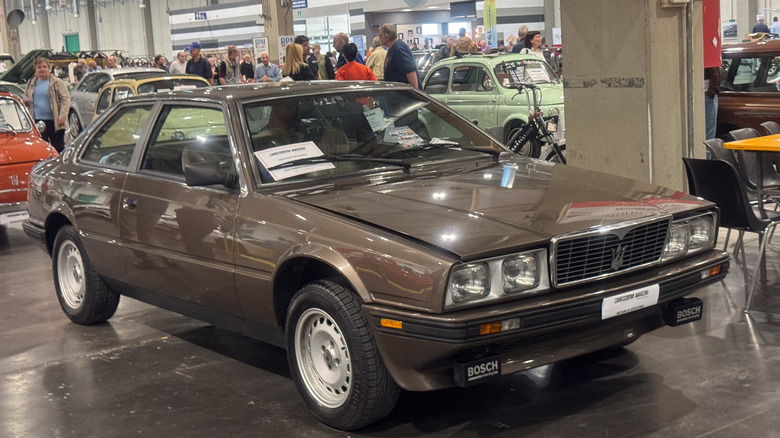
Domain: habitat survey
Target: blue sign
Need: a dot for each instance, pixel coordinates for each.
(200, 16)
(300, 4)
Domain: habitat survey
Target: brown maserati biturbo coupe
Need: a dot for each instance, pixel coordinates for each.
(385, 241)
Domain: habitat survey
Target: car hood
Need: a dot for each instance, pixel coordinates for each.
(552, 94)
(22, 148)
(488, 212)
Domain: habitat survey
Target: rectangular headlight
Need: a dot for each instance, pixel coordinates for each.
(519, 273)
(690, 235)
(701, 231)
(677, 243)
(469, 282)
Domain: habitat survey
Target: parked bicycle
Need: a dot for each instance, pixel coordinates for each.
(538, 130)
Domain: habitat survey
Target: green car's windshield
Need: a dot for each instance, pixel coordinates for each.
(341, 133)
(524, 70)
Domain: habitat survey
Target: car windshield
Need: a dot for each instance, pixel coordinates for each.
(170, 84)
(13, 117)
(421, 59)
(362, 130)
(537, 71)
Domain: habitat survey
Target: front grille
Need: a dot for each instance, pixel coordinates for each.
(598, 254)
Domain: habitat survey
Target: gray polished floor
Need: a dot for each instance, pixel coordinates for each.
(152, 373)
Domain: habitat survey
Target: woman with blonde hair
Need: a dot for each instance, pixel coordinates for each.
(294, 67)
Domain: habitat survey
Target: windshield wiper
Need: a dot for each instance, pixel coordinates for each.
(6, 127)
(346, 157)
(444, 144)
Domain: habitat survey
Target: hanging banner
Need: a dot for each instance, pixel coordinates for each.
(711, 33)
(360, 42)
(283, 42)
(491, 32)
(259, 45)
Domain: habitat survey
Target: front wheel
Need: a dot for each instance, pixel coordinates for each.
(75, 125)
(82, 294)
(531, 148)
(334, 360)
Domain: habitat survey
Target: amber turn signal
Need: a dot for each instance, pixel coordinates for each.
(391, 323)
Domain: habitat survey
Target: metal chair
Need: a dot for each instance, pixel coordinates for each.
(719, 182)
(748, 162)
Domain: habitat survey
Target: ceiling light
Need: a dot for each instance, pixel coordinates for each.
(141, 4)
(406, 10)
(433, 7)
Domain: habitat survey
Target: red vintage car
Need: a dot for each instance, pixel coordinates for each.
(21, 147)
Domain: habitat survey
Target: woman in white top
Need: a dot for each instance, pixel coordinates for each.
(533, 44)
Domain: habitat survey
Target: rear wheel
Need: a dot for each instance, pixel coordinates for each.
(334, 360)
(75, 125)
(532, 148)
(82, 294)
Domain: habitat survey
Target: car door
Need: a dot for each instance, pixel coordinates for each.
(749, 92)
(96, 183)
(182, 237)
(473, 95)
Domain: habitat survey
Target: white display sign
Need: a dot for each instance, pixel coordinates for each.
(284, 41)
(290, 152)
(628, 302)
(557, 40)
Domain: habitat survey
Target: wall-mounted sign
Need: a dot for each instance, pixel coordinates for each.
(200, 16)
(300, 4)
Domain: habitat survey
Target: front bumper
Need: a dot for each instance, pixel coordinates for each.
(424, 353)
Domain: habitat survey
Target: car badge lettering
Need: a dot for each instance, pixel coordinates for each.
(14, 180)
(617, 257)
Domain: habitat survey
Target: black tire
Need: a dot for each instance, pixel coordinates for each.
(346, 384)
(553, 157)
(531, 149)
(83, 295)
(75, 124)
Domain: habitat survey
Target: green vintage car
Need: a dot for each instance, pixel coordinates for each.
(480, 87)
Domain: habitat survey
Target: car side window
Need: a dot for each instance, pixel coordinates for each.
(100, 81)
(122, 93)
(103, 101)
(471, 79)
(186, 134)
(114, 143)
(87, 83)
(437, 84)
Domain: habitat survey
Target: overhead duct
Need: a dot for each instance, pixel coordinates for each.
(76, 11)
(14, 12)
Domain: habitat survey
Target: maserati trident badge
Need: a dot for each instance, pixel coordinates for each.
(617, 257)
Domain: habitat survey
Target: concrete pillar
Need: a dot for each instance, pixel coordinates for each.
(746, 18)
(626, 67)
(148, 31)
(9, 36)
(92, 20)
(278, 20)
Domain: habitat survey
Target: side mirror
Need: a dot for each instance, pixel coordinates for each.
(41, 126)
(475, 121)
(206, 173)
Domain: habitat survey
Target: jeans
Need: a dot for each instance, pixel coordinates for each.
(711, 115)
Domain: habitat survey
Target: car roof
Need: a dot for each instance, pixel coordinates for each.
(766, 48)
(136, 80)
(275, 89)
(486, 58)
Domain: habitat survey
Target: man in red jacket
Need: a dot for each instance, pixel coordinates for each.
(353, 70)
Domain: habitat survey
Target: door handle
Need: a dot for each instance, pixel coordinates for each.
(128, 203)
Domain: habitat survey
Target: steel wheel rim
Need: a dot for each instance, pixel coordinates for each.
(70, 275)
(73, 119)
(323, 358)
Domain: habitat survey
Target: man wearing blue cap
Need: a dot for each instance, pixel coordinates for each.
(199, 65)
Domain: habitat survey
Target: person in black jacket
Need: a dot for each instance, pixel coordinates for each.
(294, 66)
